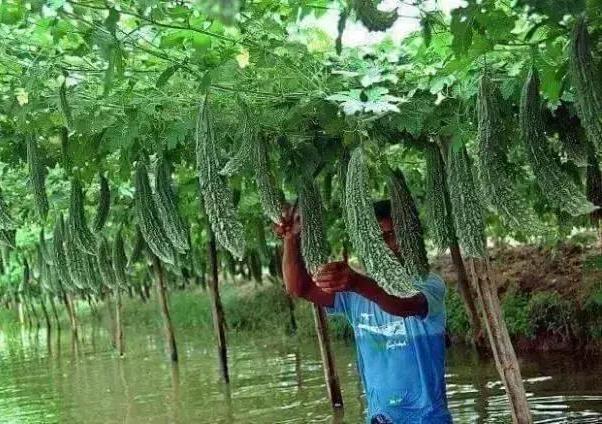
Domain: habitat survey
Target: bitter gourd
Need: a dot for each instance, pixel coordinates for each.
(104, 204)
(586, 80)
(407, 227)
(217, 196)
(365, 234)
(493, 170)
(37, 178)
(466, 203)
(558, 187)
(148, 217)
(167, 204)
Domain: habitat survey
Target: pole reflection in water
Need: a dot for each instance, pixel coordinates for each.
(273, 380)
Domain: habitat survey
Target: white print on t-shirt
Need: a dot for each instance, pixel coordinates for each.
(395, 331)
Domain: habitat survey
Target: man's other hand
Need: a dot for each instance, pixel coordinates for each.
(290, 223)
(335, 277)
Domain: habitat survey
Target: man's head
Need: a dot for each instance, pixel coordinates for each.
(382, 210)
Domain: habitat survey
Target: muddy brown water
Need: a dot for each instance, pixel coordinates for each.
(275, 379)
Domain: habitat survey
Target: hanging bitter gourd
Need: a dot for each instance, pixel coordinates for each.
(167, 204)
(75, 260)
(587, 82)
(37, 178)
(148, 217)
(558, 187)
(138, 249)
(7, 239)
(60, 257)
(105, 267)
(493, 170)
(438, 208)
(217, 196)
(270, 196)
(407, 226)
(372, 18)
(593, 186)
(244, 158)
(120, 261)
(78, 227)
(6, 221)
(466, 203)
(379, 261)
(104, 204)
(314, 245)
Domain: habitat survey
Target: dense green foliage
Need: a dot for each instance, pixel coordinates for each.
(237, 105)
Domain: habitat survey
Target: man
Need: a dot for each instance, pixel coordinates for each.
(399, 341)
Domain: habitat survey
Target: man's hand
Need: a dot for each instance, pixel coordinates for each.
(290, 223)
(335, 277)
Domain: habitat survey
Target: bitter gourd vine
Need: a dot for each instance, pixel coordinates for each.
(586, 81)
(314, 245)
(6, 221)
(407, 227)
(438, 209)
(104, 204)
(558, 187)
(148, 218)
(372, 18)
(492, 166)
(37, 178)
(466, 203)
(167, 204)
(379, 261)
(78, 227)
(217, 196)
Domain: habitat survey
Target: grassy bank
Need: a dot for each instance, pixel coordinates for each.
(537, 319)
(551, 297)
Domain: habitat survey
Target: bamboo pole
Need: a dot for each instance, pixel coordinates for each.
(330, 373)
(170, 338)
(119, 336)
(217, 311)
(499, 339)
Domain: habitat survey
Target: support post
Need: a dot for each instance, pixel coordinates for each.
(499, 338)
(170, 338)
(217, 311)
(330, 373)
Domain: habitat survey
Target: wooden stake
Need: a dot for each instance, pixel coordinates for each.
(170, 338)
(119, 339)
(501, 345)
(468, 297)
(217, 311)
(330, 373)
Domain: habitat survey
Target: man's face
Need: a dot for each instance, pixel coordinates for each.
(386, 226)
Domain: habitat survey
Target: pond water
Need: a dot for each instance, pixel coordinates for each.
(274, 380)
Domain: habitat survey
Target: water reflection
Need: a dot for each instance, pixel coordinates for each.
(51, 377)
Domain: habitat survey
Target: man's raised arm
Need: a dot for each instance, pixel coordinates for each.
(339, 276)
(297, 280)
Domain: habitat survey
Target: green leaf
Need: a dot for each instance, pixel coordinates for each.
(461, 31)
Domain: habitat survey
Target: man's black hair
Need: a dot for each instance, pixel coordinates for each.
(382, 209)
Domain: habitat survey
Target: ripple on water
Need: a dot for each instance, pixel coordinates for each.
(273, 381)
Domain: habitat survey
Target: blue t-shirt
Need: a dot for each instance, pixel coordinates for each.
(401, 361)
